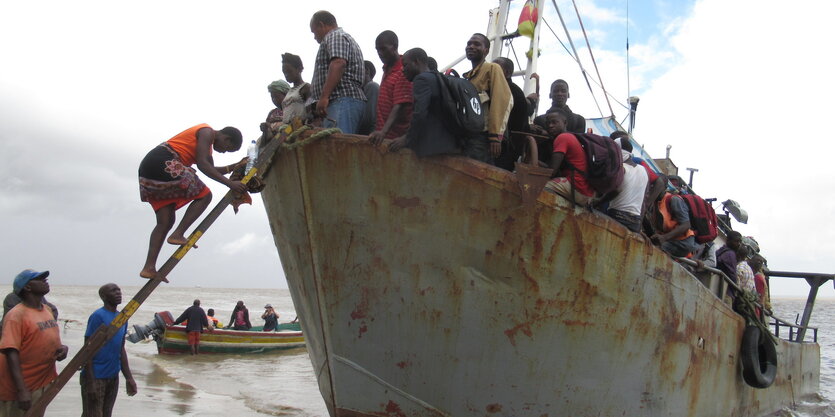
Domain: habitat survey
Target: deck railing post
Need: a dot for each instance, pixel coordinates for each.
(814, 284)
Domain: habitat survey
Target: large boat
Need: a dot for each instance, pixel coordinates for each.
(434, 287)
(173, 339)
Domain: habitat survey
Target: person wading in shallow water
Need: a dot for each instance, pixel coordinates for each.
(167, 181)
(100, 376)
(196, 322)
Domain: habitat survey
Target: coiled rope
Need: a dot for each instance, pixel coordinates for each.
(746, 308)
(291, 142)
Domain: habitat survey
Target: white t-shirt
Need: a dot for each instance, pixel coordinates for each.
(631, 191)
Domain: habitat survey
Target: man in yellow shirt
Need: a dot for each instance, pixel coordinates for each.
(496, 100)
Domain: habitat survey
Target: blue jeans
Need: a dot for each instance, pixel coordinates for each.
(347, 112)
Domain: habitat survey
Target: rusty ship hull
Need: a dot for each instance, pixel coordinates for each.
(426, 288)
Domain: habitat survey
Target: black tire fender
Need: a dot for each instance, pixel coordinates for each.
(759, 358)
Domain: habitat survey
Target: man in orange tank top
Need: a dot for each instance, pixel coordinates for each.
(167, 181)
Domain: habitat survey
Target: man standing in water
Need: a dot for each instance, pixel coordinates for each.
(30, 345)
(100, 376)
(196, 322)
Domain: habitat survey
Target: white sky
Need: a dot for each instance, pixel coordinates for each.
(738, 88)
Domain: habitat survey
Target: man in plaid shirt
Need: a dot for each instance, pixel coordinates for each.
(337, 76)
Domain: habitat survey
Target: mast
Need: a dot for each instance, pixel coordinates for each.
(533, 57)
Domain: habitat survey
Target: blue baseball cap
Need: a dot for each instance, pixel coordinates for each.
(25, 276)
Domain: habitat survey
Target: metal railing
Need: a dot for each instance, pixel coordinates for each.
(797, 331)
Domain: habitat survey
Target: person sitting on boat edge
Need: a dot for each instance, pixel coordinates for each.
(100, 376)
(337, 75)
(514, 144)
(371, 90)
(626, 203)
(559, 96)
(672, 226)
(496, 101)
(705, 257)
(240, 317)
(197, 320)
(657, 181)
(167, 182)
(295, 101)
(427, 135)
(275, 118)
(726, 260)
(270, 317)
(394, 102)
(757, 263)
(213, 322)
(567, 160)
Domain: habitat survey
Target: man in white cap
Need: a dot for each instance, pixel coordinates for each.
(31, 344)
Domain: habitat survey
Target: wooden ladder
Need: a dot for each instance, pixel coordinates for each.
(105, 332)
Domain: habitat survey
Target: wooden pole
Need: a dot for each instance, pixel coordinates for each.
(105, 332)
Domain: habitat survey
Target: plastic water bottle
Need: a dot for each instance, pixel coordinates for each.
(252, 153)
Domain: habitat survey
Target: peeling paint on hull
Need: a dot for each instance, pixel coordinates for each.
(425, 288)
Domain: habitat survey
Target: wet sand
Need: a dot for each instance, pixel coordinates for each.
(159, 395)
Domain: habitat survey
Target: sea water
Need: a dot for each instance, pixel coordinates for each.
(281, 383)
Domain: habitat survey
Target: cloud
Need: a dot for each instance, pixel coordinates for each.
(239, 245)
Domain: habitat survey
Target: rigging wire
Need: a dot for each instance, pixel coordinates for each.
(577, 56)
(628, 77)
(625, 106)
(558, 39)
(515, 57)
(591, 53)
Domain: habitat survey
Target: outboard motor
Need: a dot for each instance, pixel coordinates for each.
(153, 328)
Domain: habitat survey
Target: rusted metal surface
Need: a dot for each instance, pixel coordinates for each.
(425, 288)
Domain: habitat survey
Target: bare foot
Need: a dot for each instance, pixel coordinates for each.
(151, 274)
(179, 241)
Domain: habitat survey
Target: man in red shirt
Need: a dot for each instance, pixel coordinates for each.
(394, 101)
(31, 344)
(567, 161)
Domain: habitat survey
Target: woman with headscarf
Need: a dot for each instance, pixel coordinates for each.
(295, 102)
(278, 91)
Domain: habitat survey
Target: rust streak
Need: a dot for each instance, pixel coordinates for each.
(494, 408)
(404, 202)
(393, 409)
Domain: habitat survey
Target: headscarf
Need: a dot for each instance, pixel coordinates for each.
(279, 86)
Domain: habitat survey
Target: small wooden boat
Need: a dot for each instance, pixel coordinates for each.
(173, 339)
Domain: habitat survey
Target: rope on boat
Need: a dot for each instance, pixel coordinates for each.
(291, 143)
(746, 307)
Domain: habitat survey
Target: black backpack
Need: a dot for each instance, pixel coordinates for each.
(461, 106)
(605, 164)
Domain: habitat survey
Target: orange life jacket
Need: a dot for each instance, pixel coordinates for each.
(669, 222)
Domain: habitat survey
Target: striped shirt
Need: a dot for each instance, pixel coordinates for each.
(338, 44)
